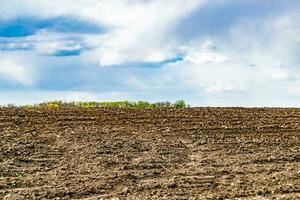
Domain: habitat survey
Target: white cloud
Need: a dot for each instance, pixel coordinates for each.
(14, 68)
(45, 42)
(137, 30)
(254, 61)
(38, 96)
(204, 53)
(141, 31)
(221, 87)
(259, 58)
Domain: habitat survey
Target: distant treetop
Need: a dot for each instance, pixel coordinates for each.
(113, 104)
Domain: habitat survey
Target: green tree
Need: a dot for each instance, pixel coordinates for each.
(179, 104)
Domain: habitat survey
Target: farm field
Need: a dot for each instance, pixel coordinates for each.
(166, 153)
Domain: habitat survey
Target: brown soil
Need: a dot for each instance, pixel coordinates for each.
(199, 153)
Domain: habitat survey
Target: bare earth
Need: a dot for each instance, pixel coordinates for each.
(199, 153)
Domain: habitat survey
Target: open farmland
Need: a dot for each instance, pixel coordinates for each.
(106, 153)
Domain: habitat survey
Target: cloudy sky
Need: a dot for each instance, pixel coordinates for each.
(209, 53)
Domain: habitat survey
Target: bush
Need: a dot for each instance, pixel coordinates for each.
(180, 104)
(53, 105)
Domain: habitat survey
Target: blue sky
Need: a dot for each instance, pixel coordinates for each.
(209, 53)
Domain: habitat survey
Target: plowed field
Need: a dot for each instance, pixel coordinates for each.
(197, 153)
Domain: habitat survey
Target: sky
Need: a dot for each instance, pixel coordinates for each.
(206, 52)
